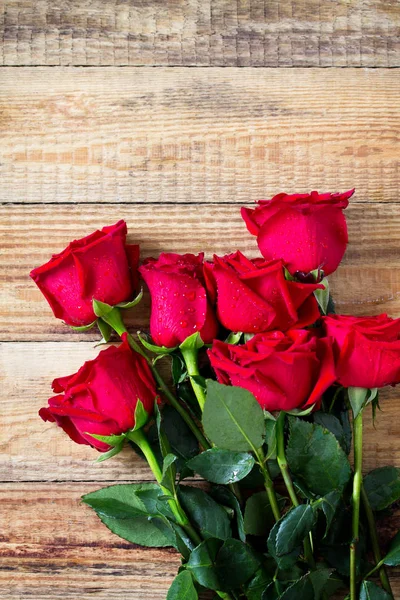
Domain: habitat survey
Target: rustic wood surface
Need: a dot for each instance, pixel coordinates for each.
(278, 33)
(91, 132)
(196, 135)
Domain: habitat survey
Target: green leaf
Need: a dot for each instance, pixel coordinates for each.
(101, 309)
(208, 516)
(236, 563)
(371, 591)
(182, 441)
(133, 302)
(169, 474)
(182, 588)
(287, 560)
(322, 296)
(234, 338)
(122, 510)
(332, 424)
(258, 515)
(258, 583)
(178, 369)
(202, 565)
(113, 452)
(308, 587)
(329, 505)
(296, 412)
(225, 497)
(270, 437)
(141, 415)
(232, 418)
(105, 331)
(315, 458)
(153, 348)
(193, 342)
(392, 558)
(271, 592)
(382, 487)
(162, 438)
(222, 466)
(294, 527)
(84, 327)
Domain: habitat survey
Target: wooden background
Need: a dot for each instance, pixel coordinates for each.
(170, 114)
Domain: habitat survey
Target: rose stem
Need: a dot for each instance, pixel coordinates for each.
(375, 542)
(268, 483)
(114, 319)
(190, 357)
(283, 466)
(357, 483)
(140, 439)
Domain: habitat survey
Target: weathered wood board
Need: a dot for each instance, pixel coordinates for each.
(257, 33)
(196, 135)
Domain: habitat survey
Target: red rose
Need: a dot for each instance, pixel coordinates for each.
(283, 370)
(306, 231)
(101, 397)
(179, 303)
(100, 266)
(253, 295)
(367, 349)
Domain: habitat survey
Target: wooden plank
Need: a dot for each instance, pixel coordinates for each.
(368, 281)
(196, 135)
(52, 546)
(274, 33)
(31, 450)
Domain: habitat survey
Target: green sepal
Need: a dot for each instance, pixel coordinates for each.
(360, 398)
(113, 452)
(169, 474)
(133, 302)
(322, 296)
(111, 440)
(193, 342)
(153, 348)
(105, 331)
(296, 412)
(234, 338)
(288, 275)
(141, 415)
(101, 309)
(83, 327)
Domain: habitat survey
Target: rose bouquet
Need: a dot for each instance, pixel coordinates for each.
(267, 388)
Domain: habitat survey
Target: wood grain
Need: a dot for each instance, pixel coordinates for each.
(52, 546)
(276, 33)
(196, 135)
(367, 282)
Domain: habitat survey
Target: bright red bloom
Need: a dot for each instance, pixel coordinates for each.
(179, 303)
(253, 296)
(306, 231)
(100, 266)
(101, 397)
(367, 349)
(283, 370)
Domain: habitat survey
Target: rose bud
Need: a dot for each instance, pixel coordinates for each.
(306, 231)
(101, 397)
(283, 370)
(367, 350)
(253, 295)
(179, 303)
(100, 266)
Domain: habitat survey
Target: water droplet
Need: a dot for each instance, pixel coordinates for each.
(183, 323)
(191, 296)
